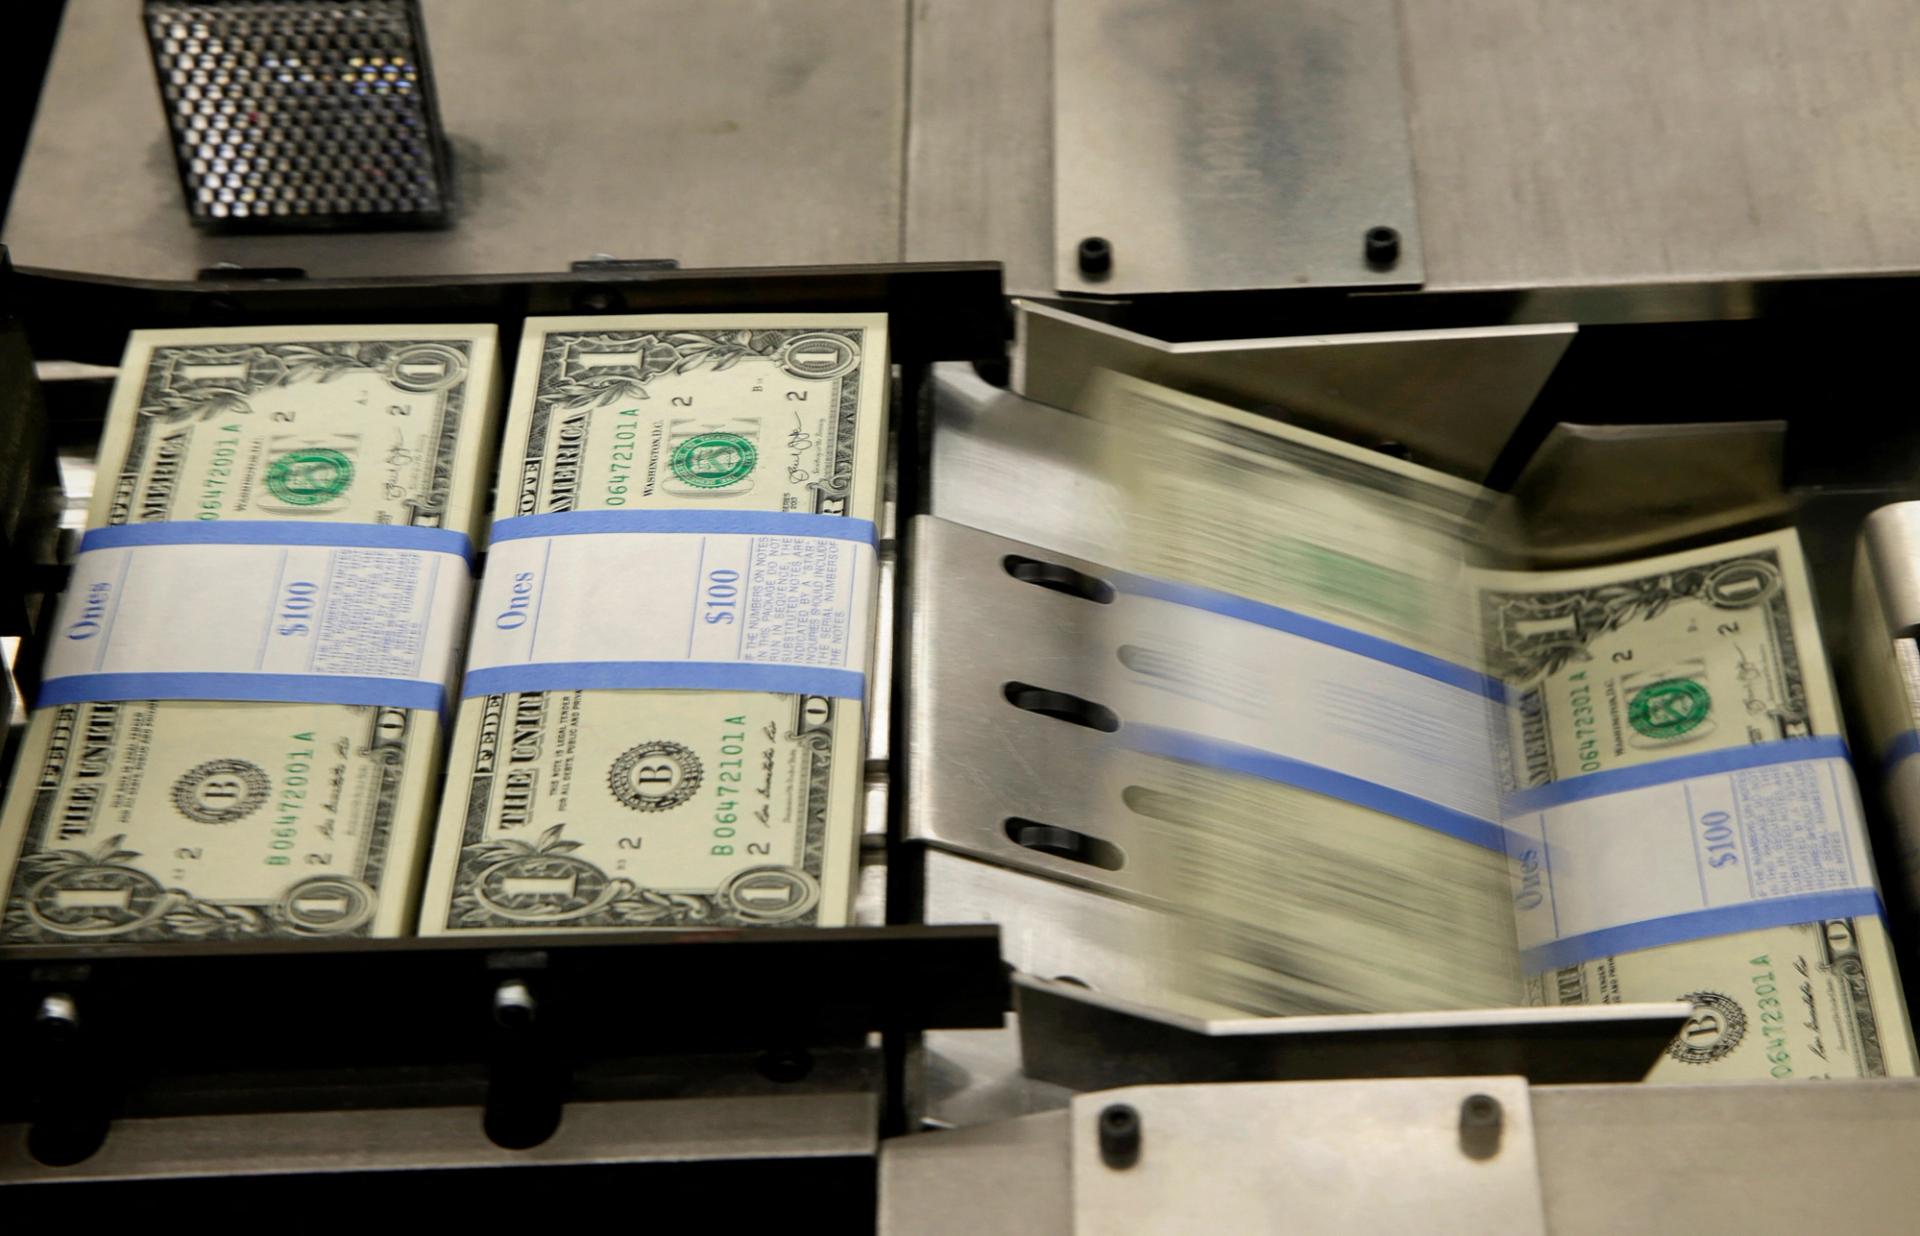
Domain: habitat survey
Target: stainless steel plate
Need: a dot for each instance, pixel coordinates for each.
(1235, 144)
(1090, 1041)
(975, 761)
(1327, 1157)
(1451, 398)
(1018, 468)
(717, 132)
(681, 1130)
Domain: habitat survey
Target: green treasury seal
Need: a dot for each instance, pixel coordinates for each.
(1669, 708)
(309, 477)
(711, 460)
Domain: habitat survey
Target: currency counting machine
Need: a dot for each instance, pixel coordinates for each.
(980, 1053)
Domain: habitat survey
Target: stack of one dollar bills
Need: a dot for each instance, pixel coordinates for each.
(133, 819)
(1377, 776)
(662, 722)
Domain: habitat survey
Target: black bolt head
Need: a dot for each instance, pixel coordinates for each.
(1481, 1118)
(1096, 257)
(1119, 1135)
(1383, 247)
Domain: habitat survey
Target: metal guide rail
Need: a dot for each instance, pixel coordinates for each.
(516, 1026)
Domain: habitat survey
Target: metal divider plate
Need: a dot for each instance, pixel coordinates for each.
(1235, 144)
(976, 760)
(1314, 1157)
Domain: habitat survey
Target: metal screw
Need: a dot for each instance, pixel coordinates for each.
(58, 1012)
(1383, 247)
(1096, 257)
(1481, 1119)
(513, 1005)
(1119, 1135)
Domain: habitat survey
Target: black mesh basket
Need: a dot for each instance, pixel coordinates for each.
(296, 115)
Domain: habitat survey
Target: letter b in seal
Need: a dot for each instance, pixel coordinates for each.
(655, 776)
(221, 791)
(1715, 1029)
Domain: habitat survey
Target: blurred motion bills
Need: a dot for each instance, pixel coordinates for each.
(1375, 775)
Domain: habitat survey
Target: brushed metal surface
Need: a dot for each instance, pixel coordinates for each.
(717, 132)
(654, 1130)
(1235, 144)
(1556, 145)
(1321, 1158)
(1018, 468)
(1564, 143)
(974, 759)
(975, 1077)
(1605, 493)
(1010, 1178)
(1452, 398)
(1754, 1157)
(1090, 1041)
(1764, 1158)
(980, 137)
(1049, 929)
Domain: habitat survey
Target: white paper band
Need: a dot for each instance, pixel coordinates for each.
(256, 620)
(595, 603)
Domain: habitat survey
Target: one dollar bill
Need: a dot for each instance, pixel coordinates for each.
(598, 809)
(1705, 650)
(188, 820)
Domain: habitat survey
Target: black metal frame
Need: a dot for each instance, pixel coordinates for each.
(91, 1033)
(936, 310)
(94, 1034)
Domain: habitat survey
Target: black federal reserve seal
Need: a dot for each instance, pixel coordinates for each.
(222, 791)
(655, 776)
(1714, 1030)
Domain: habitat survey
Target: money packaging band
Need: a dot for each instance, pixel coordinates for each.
(1900, 774)
(1364, 720)
(1332, 634)
(1905, 746)
(703, 600)
(1680, 848)
(367, 614)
